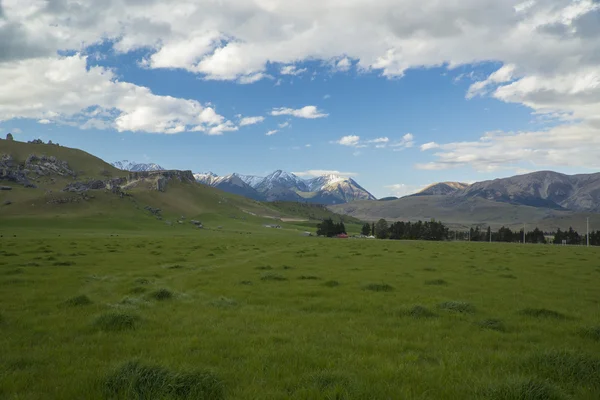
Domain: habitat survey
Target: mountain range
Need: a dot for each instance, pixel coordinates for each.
(545, 198)
(133, 166)
(285, 186)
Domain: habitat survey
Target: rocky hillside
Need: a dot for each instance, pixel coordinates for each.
(285, 186)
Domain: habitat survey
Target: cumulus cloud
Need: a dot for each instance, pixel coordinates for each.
(406, 142)
(251, 121)
(44, 121)
(429, 146)
(553, 69)
(320, 172)
(285, 124)
(65, 90)
(272, 132)
(351, 140)
(308, 112)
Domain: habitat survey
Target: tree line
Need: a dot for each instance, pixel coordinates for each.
(437, 231)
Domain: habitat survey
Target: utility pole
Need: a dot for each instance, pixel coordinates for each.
(588, 231)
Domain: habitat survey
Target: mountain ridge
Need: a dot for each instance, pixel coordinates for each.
(133, 166)
(286, 186)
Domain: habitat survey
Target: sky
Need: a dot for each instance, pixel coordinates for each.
(397, 94)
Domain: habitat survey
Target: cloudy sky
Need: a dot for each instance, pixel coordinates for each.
(397, 93)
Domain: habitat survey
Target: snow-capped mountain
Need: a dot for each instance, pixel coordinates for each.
(285, 186)
(127, 165)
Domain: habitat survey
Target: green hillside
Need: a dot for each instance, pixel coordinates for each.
(48, 204)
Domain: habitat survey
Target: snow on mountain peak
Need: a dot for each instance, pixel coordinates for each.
(127, 165)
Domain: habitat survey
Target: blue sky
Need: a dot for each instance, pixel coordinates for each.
(150, 89)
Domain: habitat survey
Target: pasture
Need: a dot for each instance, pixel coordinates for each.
(264, 315)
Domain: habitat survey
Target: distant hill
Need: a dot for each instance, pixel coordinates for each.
(442, 189)
(547, 199)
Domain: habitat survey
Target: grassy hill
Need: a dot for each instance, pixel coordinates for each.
(49, 205)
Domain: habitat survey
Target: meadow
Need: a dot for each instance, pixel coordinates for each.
(213, 314)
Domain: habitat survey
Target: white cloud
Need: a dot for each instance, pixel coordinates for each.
(406, 142)
(570, 145)
(65, 91)
(549, 50)
(327, 96)
(379, 140)
(272, 132)
(344, 64)
(321, 172)
(285, 124)
(351, 140)
(308, 112)
(291, 70)
(429, 146)
(401, 189)
(251, 120)
(17, 131)
(44, 121)
(308, 145)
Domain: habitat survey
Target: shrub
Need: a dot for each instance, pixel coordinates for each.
(332, 283)
(162, 294)
(493, 324)
(542, 313)
(116, 322)
(379, 287)
(308, 277)
(175, 266)
(523, 390)
(136, 381)
(246, 283)
(76, 301)
(265, 268)
(458, 306)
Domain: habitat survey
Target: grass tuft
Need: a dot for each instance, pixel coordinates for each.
(162, 294)
(308, 277)
(332, 283)
(379, 287)
(523, 390)
(273, 277)
(136, 381)
(493, 324)
(576, 369)
(591, 333)
(438, 282)
(264, 268)
(142, 281)
(116, 322)
(542, 313)
(458, 306)
(63, 263)
(420, 311)
(77, 301)
(223, 302)
(507, 276)
(246, 283)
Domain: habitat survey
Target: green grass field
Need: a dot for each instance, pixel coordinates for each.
(265, 314)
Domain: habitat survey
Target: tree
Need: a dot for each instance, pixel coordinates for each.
(366, 229)
(381, 229)
(373, 229)
(9, 136)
